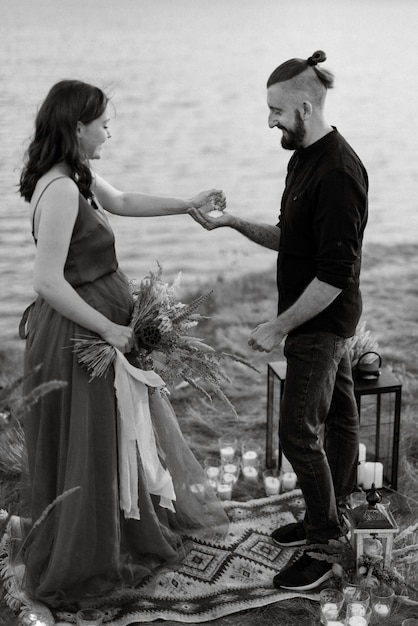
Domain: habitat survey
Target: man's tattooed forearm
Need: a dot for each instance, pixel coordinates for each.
(263, 234)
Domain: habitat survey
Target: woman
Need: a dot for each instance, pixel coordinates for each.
(85, 546)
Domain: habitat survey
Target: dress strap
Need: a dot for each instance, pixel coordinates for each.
(37, 202)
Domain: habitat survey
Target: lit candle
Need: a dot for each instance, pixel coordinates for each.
(289, 480)
(250, 473)
(381, 609)
(231, 468)
(227, 453)
(372, 473)
(349, 592)
(197, 488)
(357, 609)
(361, 462)
(36, 622)
(372, 547)
(212, 472)
(361, 452)
(330, 610)
(271, 485)
(357, 620)
(224, 491)
(229, 479)
(249, 457)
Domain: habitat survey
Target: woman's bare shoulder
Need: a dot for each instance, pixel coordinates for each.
(55, 180)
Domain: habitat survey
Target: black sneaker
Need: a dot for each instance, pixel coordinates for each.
(290, 536)
(304, 574)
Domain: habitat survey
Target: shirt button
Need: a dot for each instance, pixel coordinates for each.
(339, 244)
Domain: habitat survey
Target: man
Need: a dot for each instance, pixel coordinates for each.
(319, 239)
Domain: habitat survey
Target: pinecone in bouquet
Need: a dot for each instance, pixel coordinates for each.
(148, 337)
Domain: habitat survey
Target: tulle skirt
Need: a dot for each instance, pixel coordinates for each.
(80, 544)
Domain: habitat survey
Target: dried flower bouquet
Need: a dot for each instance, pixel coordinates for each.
(161, 324)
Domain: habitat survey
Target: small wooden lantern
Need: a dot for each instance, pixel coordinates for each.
(371, 522)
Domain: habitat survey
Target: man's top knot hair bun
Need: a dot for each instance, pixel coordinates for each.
(318, 57)
(289, 70)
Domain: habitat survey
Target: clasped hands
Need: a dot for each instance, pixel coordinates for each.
(265, 337)
(204, 204)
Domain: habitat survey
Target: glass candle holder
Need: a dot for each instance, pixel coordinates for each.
(353, 592)
(359, 620)
(330, 604)
(89, 617)
(251, 453)
(227, 448)
(232, 468)
(224, 487)
(213, 468)
(333, 622)
(358, 498)
(288, 481)
(353, 618)
(198, 489)
(349, 588)
(381, 600)
(250, 473)
(228, 479)
(271, 481)
(384, 504)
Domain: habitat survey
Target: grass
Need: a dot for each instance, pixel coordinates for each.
(390, 294)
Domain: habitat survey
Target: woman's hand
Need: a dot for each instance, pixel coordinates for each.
(212, 200)
(120, 337)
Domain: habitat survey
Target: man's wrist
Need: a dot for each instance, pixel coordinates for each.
(284, 323)
(234, 221)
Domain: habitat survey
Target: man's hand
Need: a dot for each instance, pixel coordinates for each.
(265, 337)
(204, 217)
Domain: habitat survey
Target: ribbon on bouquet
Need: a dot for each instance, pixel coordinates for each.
(136, 433)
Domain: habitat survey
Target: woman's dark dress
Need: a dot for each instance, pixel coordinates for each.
(85, 546)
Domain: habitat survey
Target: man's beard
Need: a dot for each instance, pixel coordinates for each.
(293, 138)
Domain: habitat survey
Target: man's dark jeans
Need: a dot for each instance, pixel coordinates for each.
(319, 427)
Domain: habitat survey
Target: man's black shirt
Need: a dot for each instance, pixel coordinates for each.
(322, 220)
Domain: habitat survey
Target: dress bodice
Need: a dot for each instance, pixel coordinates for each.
(91, 254)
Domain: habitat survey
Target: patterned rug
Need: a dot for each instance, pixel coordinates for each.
(216, 578)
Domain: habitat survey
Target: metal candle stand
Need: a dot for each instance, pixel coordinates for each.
(386, 383)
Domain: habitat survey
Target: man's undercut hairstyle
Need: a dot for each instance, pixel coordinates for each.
(293, 68)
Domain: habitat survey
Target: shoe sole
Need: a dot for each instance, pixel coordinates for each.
(313, 585)
(290, 544)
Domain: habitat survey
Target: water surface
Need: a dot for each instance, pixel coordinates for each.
(188, 83)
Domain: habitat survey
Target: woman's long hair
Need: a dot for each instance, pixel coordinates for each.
(55, 138)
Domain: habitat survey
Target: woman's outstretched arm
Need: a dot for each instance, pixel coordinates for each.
(136, 204)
